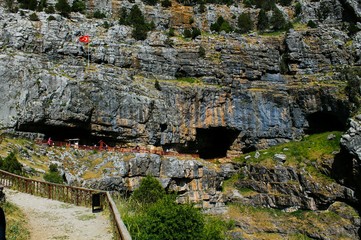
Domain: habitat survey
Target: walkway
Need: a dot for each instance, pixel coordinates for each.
(49, 219)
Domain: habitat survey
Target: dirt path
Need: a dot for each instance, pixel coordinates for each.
(49, 219)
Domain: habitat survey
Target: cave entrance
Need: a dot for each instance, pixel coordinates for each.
(215, 141)
(61, 133)
(323, 122)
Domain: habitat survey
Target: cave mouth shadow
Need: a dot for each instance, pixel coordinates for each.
(324, 122)
(62, 133)
(214, 142)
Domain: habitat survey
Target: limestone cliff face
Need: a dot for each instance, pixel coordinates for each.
(255, 90)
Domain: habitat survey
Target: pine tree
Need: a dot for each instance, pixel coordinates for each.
(33, 4)
(78, 6)
(245, 23)
(262, 20)
(278, 21)
(63, 7)
(42, 4)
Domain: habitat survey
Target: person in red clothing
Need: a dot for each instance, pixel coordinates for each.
(50, 142)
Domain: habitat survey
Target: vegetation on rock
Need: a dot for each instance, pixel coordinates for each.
(152, 214)
(16, 222)
(53, 175)
(11, 164)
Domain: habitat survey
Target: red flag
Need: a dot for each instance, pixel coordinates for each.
(84, 39)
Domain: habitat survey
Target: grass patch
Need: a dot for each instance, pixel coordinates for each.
(307, 153)
(188, 80)
(16, 223)
(310, 148)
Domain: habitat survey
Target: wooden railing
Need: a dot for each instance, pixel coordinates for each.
(68, 194)
(120, 149)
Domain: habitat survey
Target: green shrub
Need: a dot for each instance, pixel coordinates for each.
(140, 26)
(187, 33)
(78, 6)
(33, 17)
(168, 220)
(221, 25)
(245, 23)
(9, 5)
(171, 32)
(106, 25)
(262, 20)
(42, 4)
(63, 7)
(311, 24)
(136, 16)
(278, 21)
(215, 228)
(51, 18)
(140, 32)
(150, 190)
(11, 164)
(157, 85)
(123, 16)
(53, 175)
(28, 4)
(50, 10)
(201, 52)
(99, 15)
(298, 9)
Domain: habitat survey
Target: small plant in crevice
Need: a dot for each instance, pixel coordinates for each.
(311, 24)
(157, 85)
(33, 17)
(201, 52)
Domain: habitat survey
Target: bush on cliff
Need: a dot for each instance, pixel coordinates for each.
(63, 7)
(149, 191)
(221, 25)
(53, 175)
(152, 214)
(245, 23)
(78, 6)
(11, 164)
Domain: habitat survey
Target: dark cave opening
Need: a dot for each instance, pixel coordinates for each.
(215, 141)
(61, 133)
(323, 122)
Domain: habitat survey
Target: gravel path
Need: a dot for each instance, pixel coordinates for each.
(49, 219)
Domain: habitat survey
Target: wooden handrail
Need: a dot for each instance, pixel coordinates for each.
(69, 194)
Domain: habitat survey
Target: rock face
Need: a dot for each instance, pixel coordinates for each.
(287, 187)
(351, 141)
(249, 91)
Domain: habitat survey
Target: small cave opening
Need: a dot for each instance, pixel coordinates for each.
(319, 122)
(215, 141)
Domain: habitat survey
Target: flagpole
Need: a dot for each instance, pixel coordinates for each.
(88, 55)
